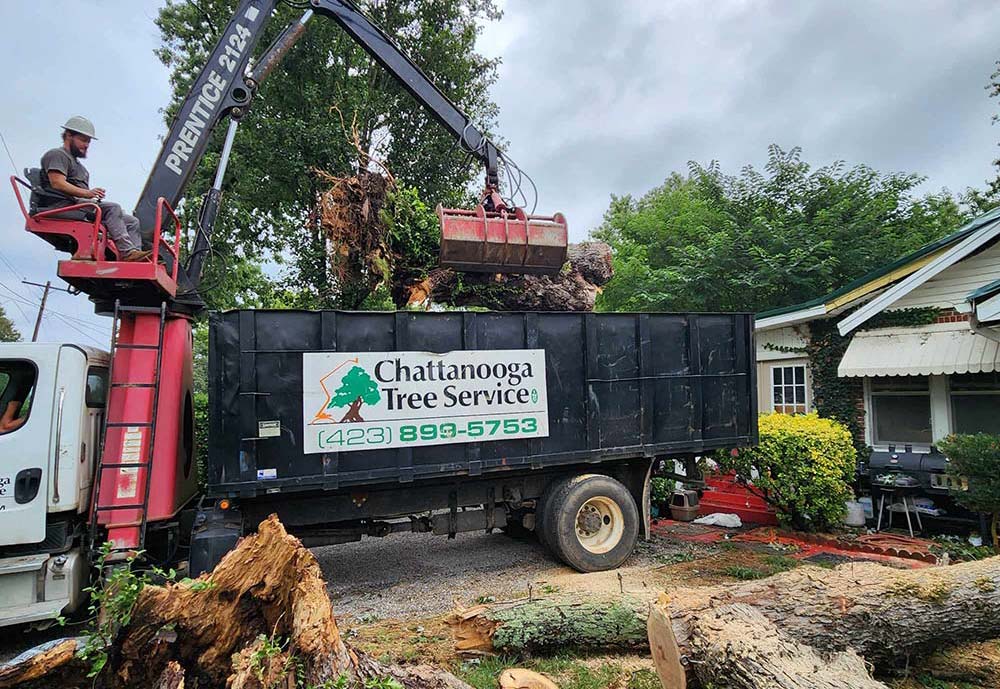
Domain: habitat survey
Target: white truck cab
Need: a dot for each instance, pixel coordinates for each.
(52, 399)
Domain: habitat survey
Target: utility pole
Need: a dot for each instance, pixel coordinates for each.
(41, 307)
(41, 310)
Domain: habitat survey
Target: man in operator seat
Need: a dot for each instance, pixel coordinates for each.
(63, 172)
(17, 394)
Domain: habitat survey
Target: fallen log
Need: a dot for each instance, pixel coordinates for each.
(261, 619)
(881, 613)
(813, 617)
(547, 624)
(737, 645)
(53, 663)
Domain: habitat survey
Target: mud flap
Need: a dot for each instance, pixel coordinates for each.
(214, 534)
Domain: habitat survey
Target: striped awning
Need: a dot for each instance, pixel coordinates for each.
(938, 349)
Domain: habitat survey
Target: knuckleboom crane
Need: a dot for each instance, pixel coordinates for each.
(145, 469)
(491, 238)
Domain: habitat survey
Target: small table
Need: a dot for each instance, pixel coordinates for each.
(906, 493)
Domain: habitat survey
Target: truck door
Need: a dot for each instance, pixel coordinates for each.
(25, 401)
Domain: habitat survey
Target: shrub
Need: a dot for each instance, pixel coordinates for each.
(976, 458)
(803, 466)
(660, 490)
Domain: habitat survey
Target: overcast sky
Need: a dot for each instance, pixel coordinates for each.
(596, 98)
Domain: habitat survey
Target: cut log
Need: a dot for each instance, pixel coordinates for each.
(663, 648)
(54, 663)
(544, 624)
(519, 678)
(575, 288)
(862, 610)
(881, 613)
(736, 646)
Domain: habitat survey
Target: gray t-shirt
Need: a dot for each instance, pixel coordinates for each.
(59, 160)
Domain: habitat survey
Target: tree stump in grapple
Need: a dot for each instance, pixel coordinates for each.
(349, 214)
(575, 288)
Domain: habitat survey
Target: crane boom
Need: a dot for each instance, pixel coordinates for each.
(226, 87)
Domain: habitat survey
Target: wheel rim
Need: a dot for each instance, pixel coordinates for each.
(600, 525)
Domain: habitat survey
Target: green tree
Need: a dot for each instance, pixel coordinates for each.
(976, 458)
(293, 129)
(356, 388)
(8, 333)
(759, 240)
(993, 87)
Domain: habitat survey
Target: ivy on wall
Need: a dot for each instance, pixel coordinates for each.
(901, 318)
(841, 398)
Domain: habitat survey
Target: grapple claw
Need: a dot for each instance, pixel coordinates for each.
(503, 242)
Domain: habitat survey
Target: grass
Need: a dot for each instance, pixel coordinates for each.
(744, 573)
(769, 565)
(567, 670)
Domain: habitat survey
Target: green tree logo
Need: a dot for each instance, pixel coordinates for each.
(356, 388)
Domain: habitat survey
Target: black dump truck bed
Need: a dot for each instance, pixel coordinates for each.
(326, 400)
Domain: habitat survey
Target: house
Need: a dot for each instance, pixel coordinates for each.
(922, 336)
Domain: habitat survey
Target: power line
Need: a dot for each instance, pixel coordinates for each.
(70, 325)
(10, 265)
(9, 156)
(23, 314)
(17, 300)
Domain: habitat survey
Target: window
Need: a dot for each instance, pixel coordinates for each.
(901, 410)
(788, 389)
(97, 387)
(975, 399)
(17, 387)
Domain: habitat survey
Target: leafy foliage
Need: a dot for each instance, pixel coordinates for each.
(660, 490)
(8, 332)
(976, 457)
(835, 397)
(762, 240)
(993, 87)
(293, 129)
(112, 600)
(802, 466)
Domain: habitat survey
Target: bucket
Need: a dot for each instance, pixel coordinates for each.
(504, 242)
(855, 514)
(868, 506)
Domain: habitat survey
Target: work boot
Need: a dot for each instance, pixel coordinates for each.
(133, 255)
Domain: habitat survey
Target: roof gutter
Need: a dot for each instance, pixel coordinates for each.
(989, 333)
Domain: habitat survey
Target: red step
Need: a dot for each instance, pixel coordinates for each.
(724, 494)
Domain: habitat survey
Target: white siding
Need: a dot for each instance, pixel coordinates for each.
(950, 288)
(767, 340)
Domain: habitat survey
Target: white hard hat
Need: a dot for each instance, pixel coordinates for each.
(80, 125)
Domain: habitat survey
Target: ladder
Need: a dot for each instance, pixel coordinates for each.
(127, 498)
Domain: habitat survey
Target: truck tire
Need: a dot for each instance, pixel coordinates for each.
(591, 522)
(542, 511)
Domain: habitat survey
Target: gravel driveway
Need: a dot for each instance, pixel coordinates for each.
(418, 575)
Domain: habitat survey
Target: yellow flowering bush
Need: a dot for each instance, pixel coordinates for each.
(803, 465)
